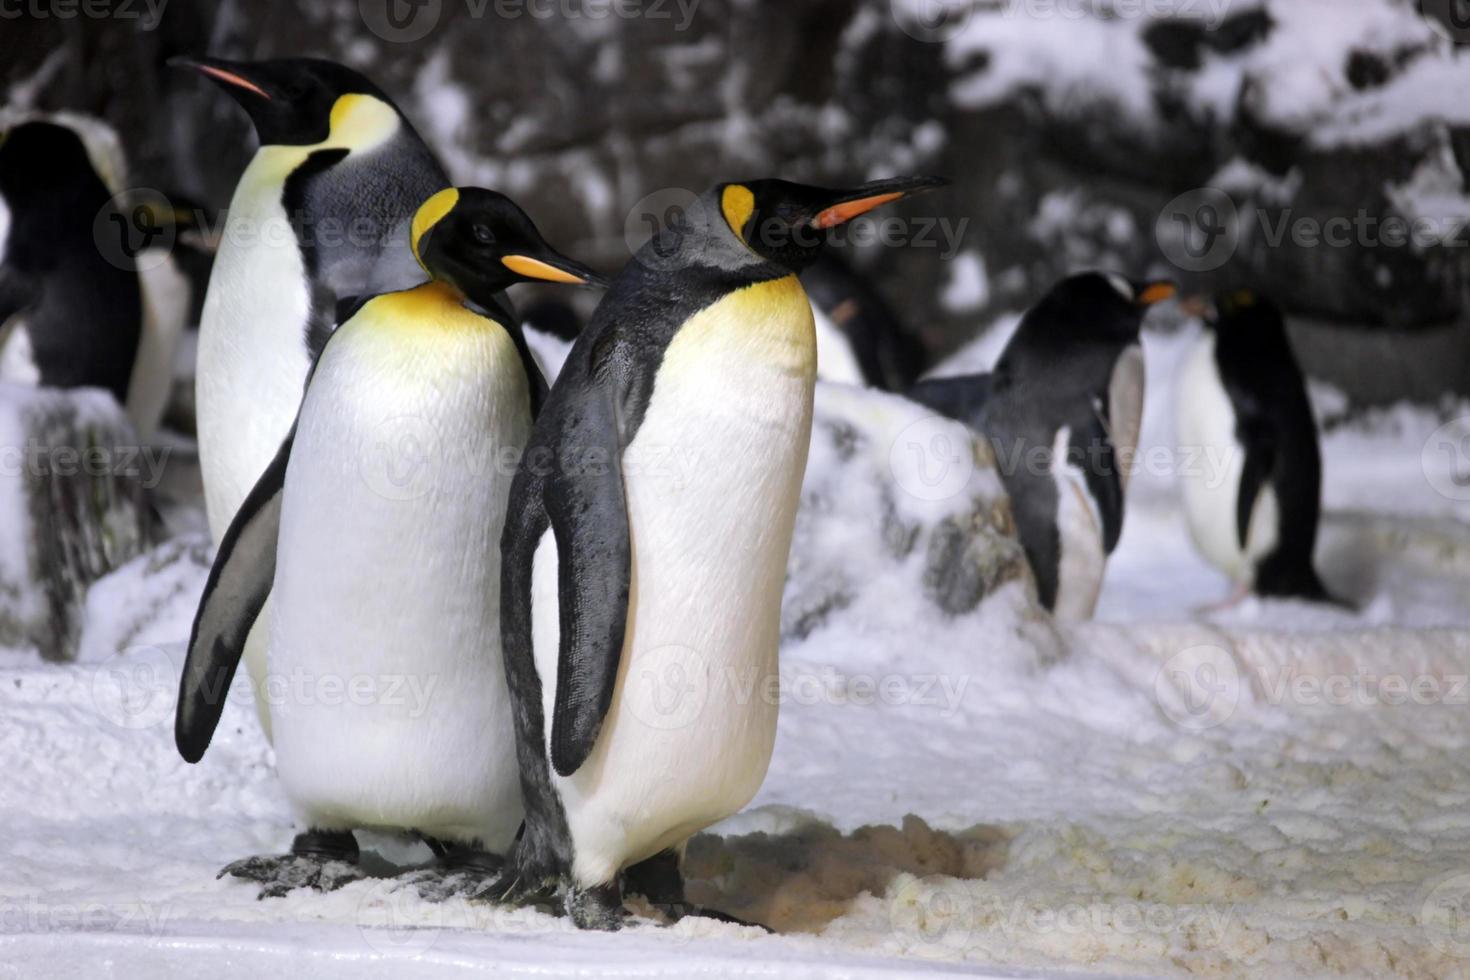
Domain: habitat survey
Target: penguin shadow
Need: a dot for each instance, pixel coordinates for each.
(1409, 562)
(800, 880)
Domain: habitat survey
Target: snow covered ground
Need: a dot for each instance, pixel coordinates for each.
(1278, 789)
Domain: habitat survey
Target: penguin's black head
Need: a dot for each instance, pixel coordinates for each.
(788, 223)
(1104, 300)
(40, 159)
(479, 242)
(1244, 312)
(293, 101)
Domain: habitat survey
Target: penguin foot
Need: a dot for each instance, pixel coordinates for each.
(279, 874)
(321, 859)
(680, 910)
(657, 879)
(598, 908)
(461, 871)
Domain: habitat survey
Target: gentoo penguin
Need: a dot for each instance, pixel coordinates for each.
(648, 537)
(378, 572)
(1062, 410)
(860, 340)
(1243, 401)
(69, 317)
(320, 217)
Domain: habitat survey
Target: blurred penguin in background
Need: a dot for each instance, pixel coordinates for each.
(77, 309)
(1243, 401)
(859, 338)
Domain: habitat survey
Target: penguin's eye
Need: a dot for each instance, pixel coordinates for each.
(785, 212)
(483, 234)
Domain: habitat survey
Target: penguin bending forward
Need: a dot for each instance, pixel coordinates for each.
(647, 541)
(1062, 410)
(378, 575)
(1243, 400)
(319, 218)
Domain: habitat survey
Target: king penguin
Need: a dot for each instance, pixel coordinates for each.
(1062, 410)
(69, 317)
(1243, 401)
(319, 218)
(374, 580)
(649, 541)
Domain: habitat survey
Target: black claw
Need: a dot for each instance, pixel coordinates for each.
(598, 908)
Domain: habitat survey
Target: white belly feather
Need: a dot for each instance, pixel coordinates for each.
(388, 578)
(713, 479)
(1212, 460)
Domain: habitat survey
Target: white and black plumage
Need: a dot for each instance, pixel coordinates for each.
(69, 317)
(319, 218)
(1062, 410)
(372, 580)
(1242, 399)
(616, 569)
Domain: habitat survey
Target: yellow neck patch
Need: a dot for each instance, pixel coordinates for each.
(429, 214)
(738, 204)
(360, 121)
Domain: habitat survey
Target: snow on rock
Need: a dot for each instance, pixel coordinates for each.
(898, 505)
(73, 491)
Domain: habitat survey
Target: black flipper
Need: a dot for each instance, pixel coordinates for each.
(1260, 460)
(585, 503)
(1091, 450)
(960, 398)
(239, 584)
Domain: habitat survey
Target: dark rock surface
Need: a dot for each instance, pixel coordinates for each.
(584, 117)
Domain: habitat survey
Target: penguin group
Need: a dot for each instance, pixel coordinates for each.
(535, 597)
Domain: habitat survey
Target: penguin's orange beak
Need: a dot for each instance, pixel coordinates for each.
(1157, 292)
(850, 204)
(225, 72)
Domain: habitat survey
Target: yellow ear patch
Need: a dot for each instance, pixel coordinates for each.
(429, 214)
(738, 204)
(1243, 299)
(359, 122)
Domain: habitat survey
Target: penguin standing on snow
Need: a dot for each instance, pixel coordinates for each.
(1243, 401)
(68, 316)
(319, 218)
(1062, 410)
(647, 542)
(376, 579)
